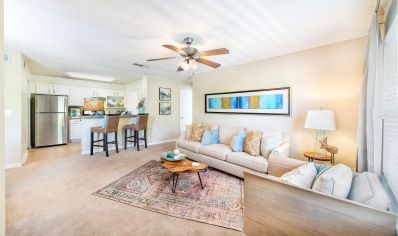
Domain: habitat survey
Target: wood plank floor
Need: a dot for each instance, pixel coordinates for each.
(51, 195)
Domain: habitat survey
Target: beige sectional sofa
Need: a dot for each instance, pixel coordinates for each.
(222, 157)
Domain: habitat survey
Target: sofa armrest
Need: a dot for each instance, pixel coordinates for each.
(282, 150)
(277, 166)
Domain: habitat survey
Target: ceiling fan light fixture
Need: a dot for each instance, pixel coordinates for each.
(184, 65)
(192, 64)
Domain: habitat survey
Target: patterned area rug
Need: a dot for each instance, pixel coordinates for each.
(149, 187)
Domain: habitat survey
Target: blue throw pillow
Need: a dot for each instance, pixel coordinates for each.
(237, 141)
(320, 168)
(210, 136)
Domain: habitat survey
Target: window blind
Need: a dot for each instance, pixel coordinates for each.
(390, 110)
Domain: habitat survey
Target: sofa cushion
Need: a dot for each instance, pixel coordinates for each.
(189, 145)
(258, 163)
(226, 133)
(252, 143)
(210, 136)
(335, 181)
(270, 141)
(197, 132)
(238, 140)
(218, 151)
(366, 188)
(188, 132)
(302, 176)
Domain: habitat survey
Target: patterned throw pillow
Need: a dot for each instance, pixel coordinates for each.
(252, 143)
(237, 141)
(188, 132)
(210, 136)
(197, 132)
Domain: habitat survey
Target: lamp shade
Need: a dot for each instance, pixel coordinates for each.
(320, 119)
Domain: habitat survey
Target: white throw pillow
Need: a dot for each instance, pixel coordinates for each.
(367, 189)
(270, 141)
(302, 176)
(188, 132)
(335, 181)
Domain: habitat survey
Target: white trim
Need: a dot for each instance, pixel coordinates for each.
(13, 165)
(149, 144)
(160, 142)
(25, 157)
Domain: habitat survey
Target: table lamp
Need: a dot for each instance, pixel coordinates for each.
(322, 121)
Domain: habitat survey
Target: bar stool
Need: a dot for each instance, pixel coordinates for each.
(111, 124)
(141, 124)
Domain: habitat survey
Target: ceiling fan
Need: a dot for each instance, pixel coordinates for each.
(192, 55)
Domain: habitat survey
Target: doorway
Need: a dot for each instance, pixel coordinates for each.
(185, 108)
(133, 98)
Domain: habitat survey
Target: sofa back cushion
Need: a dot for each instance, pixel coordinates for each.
(269, 141)
(252, 143)
(335, 181)
(367, 189)
(188, 132)
(226, 133)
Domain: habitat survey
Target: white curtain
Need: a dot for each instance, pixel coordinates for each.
(369, 138)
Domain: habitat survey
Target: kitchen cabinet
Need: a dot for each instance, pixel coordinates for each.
(44, 88)
(61, 89)
(76, 95)
(101, 93)
(75, 129)
(115, 93)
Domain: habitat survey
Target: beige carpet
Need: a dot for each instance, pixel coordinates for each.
(51, 195)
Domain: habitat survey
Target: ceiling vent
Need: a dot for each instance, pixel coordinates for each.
(139, 65)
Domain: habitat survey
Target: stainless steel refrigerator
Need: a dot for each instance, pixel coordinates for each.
(49, 119)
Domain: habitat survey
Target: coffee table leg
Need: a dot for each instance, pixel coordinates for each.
(175, 179)
(200, 180)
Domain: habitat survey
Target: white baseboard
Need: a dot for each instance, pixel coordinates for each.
(25, 157)
(13, 165)
(160, 142)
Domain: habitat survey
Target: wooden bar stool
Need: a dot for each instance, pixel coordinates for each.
(142, 122)
(110, 126)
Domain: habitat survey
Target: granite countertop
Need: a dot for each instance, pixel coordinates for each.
(102, 116)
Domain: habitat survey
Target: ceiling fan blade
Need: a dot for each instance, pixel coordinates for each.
(213, 52)
(163, 58)
(175, 49)
(180, 68)
(208, 63)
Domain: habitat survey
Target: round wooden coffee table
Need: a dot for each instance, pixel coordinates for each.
(183, 166)
(319, 157)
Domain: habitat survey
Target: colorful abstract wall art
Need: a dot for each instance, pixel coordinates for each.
(274, 101)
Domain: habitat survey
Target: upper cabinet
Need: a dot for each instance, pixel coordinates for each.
(115, 93)
(61, 89)
(76, 95)
(43, 88)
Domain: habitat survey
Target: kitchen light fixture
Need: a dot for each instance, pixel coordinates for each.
(79, 75)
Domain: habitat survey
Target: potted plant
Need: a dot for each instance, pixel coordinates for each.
(141, 106)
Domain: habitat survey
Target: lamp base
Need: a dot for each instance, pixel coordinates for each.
(320, 135)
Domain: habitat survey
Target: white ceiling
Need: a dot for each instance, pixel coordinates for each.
(107, 36)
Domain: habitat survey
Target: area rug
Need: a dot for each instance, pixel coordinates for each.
(149, 187)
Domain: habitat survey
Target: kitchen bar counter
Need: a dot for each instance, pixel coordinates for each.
(92, 121)
(102, 116)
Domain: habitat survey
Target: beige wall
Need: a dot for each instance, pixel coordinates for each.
(14, 82)
(327, 77)
(164, 127)
(2, 136)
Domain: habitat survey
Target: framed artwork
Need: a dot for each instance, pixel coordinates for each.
(164, 108)
(164, 94)
(275, 101)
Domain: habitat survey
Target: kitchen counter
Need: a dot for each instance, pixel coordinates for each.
(87, 122)
(102, 116)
